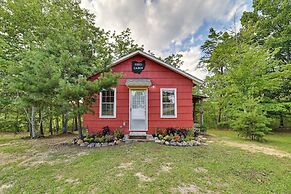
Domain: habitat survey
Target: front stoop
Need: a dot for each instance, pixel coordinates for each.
(138, 136)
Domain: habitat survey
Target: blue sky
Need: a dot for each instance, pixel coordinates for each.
(169, 26)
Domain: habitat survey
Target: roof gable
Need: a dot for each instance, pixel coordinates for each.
(158, 61)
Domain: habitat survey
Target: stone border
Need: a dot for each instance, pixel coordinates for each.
(81, 143)
(197, 142)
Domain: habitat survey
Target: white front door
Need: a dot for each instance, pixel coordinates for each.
(138, 105)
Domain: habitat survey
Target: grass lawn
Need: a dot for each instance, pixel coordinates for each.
(48, 166)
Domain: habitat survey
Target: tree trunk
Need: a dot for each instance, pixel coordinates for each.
(40, 123)
(33, 135)
(65, 122)
(17, 122)
(51, 125)
(281, 121)
(57, 125)
(29, 127)
(219, 116)
(79, 121)
(76, 123)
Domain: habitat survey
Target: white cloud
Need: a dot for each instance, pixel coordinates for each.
(191, 60)
(155, 23)
(158, 23)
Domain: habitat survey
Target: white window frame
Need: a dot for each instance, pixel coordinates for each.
(161, 103)
(114, 106)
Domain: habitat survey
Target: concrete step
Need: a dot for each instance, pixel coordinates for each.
(138, 136)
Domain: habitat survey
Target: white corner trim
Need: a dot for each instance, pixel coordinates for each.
(114, 107)
(161, 103)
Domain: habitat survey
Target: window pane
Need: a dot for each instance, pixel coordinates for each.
(168, 102)
(169, 96)
(107, 109)
(169, 109)
(107, 103)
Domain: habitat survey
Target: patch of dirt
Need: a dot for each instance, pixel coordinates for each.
(72, 181)
(185, 189)
(35, 159)
(119, 175)
(166, 167)
(9, 144)
(142, 177)
(82, 153)
(200, 170)
(4, 187)
(5, 158)
(125, 165)
(148, 160)
(255, 148)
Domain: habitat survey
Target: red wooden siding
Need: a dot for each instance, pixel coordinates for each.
(161, 77)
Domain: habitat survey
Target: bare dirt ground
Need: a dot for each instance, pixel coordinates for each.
(40, 151)
(256, 148)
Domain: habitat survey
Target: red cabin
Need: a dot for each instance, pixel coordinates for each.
(150, 95)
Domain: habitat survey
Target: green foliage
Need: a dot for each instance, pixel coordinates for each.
(109, 138)
(117, 133)
(189, 138)
(168, 137)
(250, 121)
(48, 49)
(175, 60)
(252, 64)
(160, 136)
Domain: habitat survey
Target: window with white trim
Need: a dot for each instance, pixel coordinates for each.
(168, 103)
(108, 103)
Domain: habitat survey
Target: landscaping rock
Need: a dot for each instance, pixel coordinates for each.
(191, 143)
(91, 145)
(111, 144)
(158, 141)
(197, 143)
(104, 144)
(97, 145)
(83, 145)
(74, 141)
(203, 140)
(184, 143)
(79, 142)
(172, 143)
(117, 142)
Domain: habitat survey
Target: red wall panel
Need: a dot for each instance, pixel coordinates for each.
(161, 77)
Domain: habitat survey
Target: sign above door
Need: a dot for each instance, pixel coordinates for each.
(138, 67)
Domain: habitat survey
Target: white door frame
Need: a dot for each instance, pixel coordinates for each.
(147, 107)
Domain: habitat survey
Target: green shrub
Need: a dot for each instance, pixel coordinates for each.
(118, 134)
(109, 138)
(251, 122)
(168, 137)
(160, 131)
(100, 139)
(188, 138)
